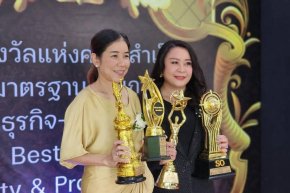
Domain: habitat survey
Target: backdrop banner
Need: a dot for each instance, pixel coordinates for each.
(45, 55)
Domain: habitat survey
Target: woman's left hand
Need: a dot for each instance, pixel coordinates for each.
(223, 143)
(171, 150)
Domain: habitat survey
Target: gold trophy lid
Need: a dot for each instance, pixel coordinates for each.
(211, 103)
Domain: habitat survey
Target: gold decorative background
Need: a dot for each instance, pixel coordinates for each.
(195, 20)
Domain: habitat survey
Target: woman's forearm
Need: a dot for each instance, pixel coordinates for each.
(93, 159)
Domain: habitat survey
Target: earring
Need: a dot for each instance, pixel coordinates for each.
(161, 75)
(97, 66)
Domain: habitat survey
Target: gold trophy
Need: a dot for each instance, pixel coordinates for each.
(154, 148)
(132, 172)
(212, 163)
(168, 178)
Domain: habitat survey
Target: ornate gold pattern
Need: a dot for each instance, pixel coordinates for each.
(96, 2)
(20, 5)
(132, 5)
(123, 126)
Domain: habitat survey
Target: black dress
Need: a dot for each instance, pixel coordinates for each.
(190, 140)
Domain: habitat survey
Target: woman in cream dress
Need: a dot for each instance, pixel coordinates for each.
(89, 137)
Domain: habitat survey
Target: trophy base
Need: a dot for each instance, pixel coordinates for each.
(155, 148)
(168, 186)
(130, 180)
(213, 169)
(168, 178)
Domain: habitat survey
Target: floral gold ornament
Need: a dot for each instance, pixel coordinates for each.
(132, 172)
(153, 109)
(168, 177)
(133, 5)
(80, 2)
(212, 162)
(20, 5)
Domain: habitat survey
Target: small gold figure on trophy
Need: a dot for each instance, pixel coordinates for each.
(168, 178)
(133, 171)
(153, 109)
(212, 162)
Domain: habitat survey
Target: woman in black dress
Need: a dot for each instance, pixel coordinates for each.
(177, 68)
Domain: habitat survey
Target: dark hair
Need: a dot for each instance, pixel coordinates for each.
(196, 85)
(99, 43)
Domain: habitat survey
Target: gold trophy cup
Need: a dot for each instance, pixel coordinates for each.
(212, 163)
(132, 172)
(168, 177)
(154, 148)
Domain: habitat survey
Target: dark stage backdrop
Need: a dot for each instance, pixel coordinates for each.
(275, 89)
(44, 57)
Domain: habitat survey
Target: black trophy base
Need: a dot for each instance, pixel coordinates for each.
(130, 180)
(213, 169)
(155, 148)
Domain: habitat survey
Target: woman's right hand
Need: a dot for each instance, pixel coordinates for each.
(120, 154)
(170, 151)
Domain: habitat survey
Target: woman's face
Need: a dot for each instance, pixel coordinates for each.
(114, 63)
(177, 68)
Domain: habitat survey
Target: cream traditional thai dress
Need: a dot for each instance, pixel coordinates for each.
(89, 128)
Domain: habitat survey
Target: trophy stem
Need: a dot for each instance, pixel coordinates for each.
(168, 177)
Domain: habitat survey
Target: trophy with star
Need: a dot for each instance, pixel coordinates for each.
(153, 109)
(168, 177)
